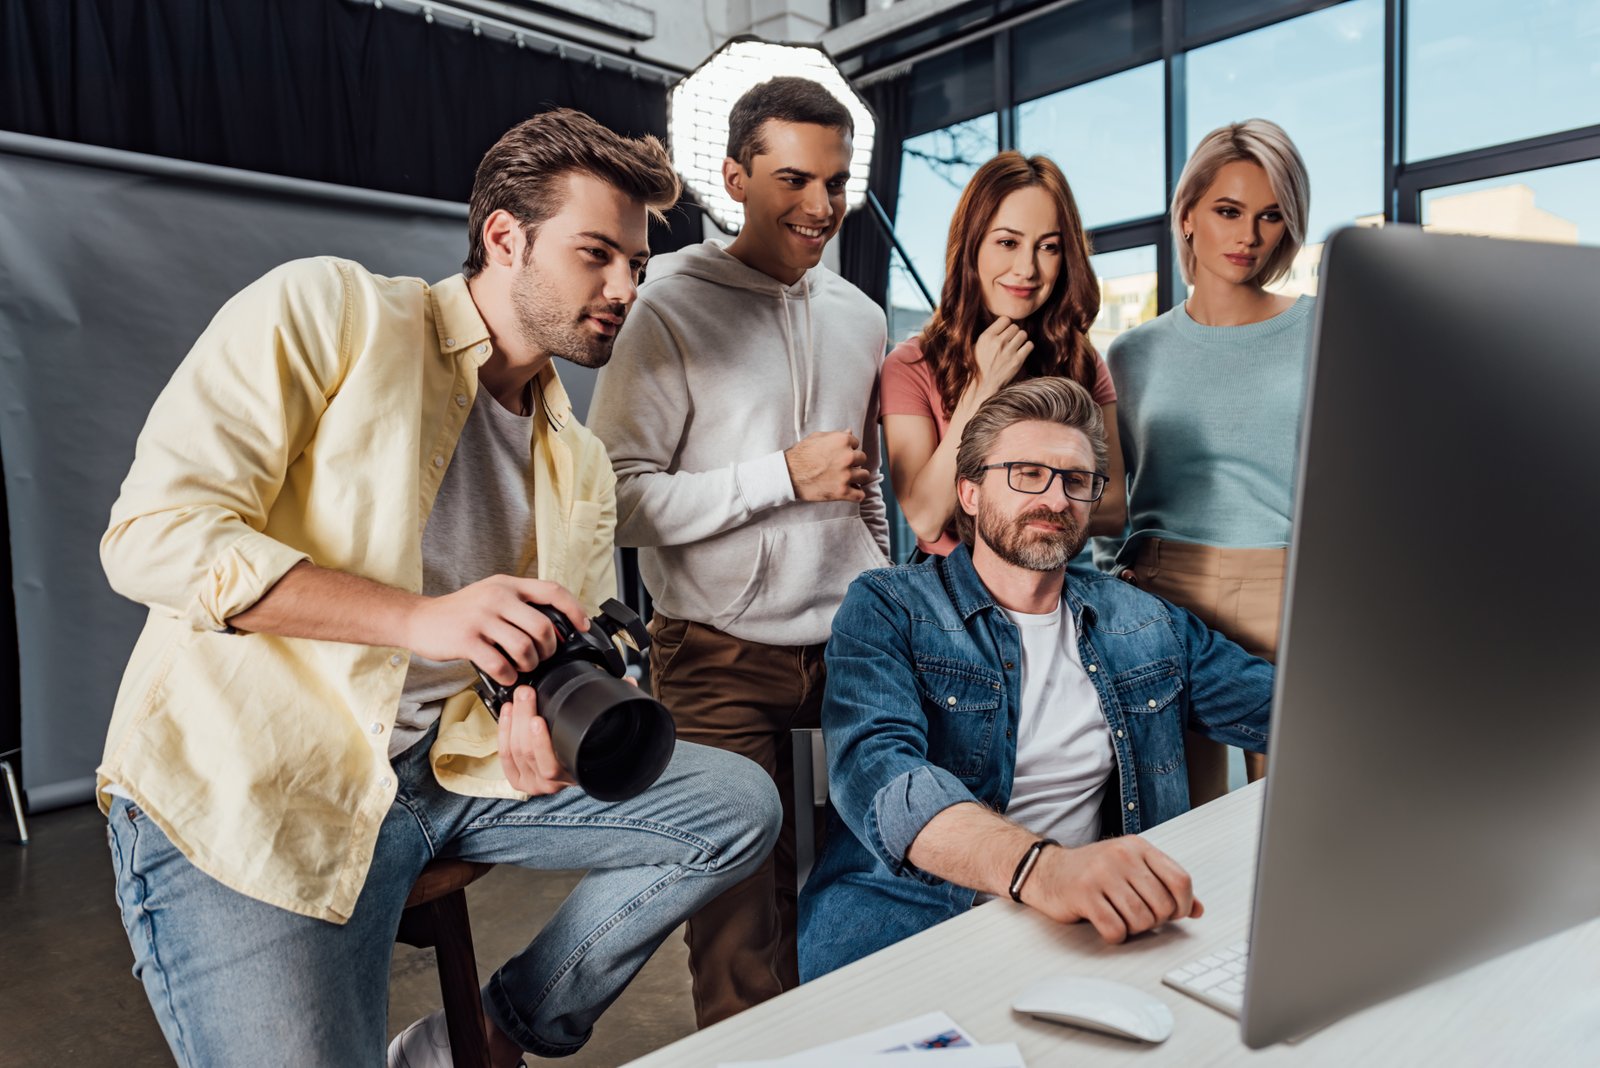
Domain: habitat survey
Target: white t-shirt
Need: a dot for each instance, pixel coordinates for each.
(1064, 752)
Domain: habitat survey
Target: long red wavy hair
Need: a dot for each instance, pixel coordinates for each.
(1059, 330)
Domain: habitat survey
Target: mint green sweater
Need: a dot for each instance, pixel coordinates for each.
(1210, 425)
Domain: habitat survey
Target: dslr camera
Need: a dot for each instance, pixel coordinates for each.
(615, 739)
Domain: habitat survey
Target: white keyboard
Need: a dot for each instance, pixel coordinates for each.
(1216, 978)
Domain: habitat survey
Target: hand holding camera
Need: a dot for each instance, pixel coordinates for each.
(572, 719)
(495, 623)
(527, 753)
(616, 740)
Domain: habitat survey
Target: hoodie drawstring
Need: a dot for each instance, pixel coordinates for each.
(811, 357)
(788, 345)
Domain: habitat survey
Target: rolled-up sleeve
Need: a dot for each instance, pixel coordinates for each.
(881, 781)
(186, 532)
(905, 806)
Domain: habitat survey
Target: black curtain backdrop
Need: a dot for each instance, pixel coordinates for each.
(864, 250)
(320, 89)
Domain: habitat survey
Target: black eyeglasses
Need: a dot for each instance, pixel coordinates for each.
(1024, 476)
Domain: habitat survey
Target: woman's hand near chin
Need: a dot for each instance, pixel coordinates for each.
(999, 352)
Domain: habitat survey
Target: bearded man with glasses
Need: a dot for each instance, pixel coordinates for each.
(997, 723)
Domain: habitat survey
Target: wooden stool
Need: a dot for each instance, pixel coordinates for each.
(436, 915)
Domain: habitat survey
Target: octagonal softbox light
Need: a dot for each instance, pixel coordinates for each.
(697, 118)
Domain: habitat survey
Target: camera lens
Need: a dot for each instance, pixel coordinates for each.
(610, 736)
(615, 740)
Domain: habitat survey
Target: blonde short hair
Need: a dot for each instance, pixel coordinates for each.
(1268, 147)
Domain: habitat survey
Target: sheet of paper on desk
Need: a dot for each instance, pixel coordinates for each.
(1004, 1055)
(933, 1032)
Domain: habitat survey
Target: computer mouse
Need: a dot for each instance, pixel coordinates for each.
(1098, 1005)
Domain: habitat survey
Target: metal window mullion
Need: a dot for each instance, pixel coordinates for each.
(1532, 154)
(1134, 233)
(1005, 110)
(1169, 282)
(1394, 95)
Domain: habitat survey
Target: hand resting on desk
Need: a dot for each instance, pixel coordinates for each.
(1123, 886)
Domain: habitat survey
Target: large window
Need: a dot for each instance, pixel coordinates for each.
(934, 168)
(1476, 115)
(1106, 136)
(1557, 204)
(1473, 116)
(1320, 77)
(1128, 292)
(1485, 72)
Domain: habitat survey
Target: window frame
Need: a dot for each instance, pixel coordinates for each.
(1403, 182)
(1532, 154)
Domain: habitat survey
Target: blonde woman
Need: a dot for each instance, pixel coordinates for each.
(1210, 402)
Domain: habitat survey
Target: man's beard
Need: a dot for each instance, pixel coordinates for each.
(1011, 541)
(549, 327)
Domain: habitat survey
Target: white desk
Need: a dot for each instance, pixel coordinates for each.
(1537, 1006)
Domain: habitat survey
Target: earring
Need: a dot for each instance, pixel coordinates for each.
(1188, 235)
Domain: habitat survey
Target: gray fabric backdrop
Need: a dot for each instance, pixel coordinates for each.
(110, 266)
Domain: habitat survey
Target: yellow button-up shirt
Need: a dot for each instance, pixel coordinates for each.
(313, 420)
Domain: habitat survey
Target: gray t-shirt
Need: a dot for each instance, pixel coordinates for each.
(481, 525)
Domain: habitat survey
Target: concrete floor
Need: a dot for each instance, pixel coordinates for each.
(68, 996)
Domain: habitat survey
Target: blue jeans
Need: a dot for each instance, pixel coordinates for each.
(234, 981)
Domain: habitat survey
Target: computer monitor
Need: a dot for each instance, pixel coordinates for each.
(1433, 795)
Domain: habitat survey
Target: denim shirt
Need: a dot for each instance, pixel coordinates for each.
(921, 713)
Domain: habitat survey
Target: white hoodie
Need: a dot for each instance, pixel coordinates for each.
(718, 369)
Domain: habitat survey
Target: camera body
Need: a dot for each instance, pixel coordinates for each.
(615, 739)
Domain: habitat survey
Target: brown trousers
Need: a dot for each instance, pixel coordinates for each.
(743, 697)
(1238, 592)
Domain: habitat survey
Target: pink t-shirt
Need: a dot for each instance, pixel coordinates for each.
(907, 387)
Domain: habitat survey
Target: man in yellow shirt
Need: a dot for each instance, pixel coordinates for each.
(344, 500)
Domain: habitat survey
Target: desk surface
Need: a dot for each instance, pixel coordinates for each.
(1538, 1005)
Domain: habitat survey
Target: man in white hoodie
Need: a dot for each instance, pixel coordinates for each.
(741, 419)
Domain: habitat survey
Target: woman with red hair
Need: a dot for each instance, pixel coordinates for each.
(1018, 299)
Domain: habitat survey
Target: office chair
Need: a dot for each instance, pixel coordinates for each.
(810, 796)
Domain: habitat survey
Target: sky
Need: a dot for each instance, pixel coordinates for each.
(1478, 72)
